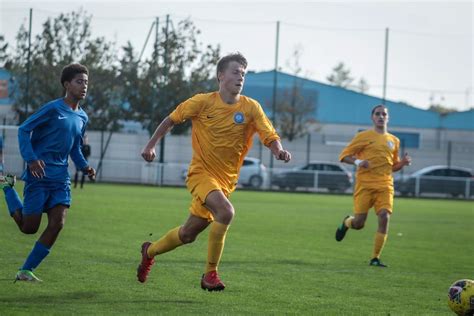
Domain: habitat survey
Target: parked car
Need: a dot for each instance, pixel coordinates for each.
(437, 179)
(330, 175)
(253, 173)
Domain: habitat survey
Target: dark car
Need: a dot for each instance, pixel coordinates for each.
(437, 179)
(318, 175)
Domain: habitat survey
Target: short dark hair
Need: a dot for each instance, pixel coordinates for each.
(69, 71)
(224, 62)
(378, 106)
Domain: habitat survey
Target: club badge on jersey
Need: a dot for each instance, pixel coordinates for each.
(238, 117)
(390, 144)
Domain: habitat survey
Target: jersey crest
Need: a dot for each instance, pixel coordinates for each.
(239, 117)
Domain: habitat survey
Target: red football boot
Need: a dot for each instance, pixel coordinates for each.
(211, 282)
(145, 266)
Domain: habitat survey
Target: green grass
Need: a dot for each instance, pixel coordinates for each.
(280, 257)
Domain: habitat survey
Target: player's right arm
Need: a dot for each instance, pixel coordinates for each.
(352, 160)
(186, 110)
(35, 165)
(349, 153)
(148, 153)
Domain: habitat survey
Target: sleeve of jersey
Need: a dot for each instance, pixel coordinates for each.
(24, 132)
(264, 127)
(356, 145)
(188, 109)
(76, 153)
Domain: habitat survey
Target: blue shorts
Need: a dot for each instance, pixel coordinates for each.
(40, 196)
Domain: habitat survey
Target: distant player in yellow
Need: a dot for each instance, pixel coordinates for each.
(223, 124)
(375, 153)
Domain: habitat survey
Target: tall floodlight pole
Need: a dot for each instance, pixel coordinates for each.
(275, 74)
(147, 38)
(28, 63)
(385, 68)
(166, 69)
(275, 83)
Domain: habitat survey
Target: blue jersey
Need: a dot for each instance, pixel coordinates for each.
(51, 134)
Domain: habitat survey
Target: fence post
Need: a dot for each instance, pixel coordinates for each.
(308, 148)
(450, 147)
(316, 179)
(467, 193)
(417, 186)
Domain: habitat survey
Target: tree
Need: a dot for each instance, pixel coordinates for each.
(63, 40)
(438, 106)
(295, 107)
(179, 67)
(3, 51)
(340, 76)
(362, 86)
(441, 109)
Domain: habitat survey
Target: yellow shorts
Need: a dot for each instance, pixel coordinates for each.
(200, 185)
(366, 197)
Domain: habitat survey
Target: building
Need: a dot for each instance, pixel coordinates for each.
(430, 138)
(341, 112)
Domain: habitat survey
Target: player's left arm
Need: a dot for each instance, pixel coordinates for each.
(78, 158)
(406, 161)
(397, 163)
(268, 135)
(277, 150)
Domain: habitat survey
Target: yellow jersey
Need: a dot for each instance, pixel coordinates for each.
(222, 133)
(380, 150)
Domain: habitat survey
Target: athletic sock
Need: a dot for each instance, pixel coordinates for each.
(348, 222)
(215, 245)
(379, 242)
(35, 257)
(166, 243)
(13, 200)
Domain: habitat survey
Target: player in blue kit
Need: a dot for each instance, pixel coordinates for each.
(46, 139)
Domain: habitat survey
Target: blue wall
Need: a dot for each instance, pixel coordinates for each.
(458, 120)
(341, 106)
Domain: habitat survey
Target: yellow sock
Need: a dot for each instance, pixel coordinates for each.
(215, 245)
(348, 222)
(379, 242)
(166, 243)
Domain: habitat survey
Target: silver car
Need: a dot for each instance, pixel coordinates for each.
(253, 173)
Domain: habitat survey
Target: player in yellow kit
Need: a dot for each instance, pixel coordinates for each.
(375, 153)
(223, 124)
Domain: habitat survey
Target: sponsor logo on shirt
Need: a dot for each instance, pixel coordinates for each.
(390, 144)
(62, 117)
(239, 117)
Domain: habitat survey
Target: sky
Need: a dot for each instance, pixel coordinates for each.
(430, 44)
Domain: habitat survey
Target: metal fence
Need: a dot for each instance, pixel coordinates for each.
(123, 164)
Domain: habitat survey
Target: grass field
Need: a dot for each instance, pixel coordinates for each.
(280, 257)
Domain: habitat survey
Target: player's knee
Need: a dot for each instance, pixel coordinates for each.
(357, 224)
(57, 224)
(187, 237)
(29, 230)
(228, 213)
(384, 216)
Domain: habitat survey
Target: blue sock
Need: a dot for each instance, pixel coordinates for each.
(35, 257)
(13, 200)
